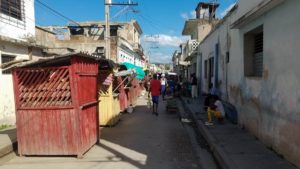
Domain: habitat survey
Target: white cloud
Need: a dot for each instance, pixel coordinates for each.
(165, 40)
(193, 14)
(159, 57)
(227, 10)
(188, 15)
(185, 16)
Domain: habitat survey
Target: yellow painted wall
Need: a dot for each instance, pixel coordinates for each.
(109, 107)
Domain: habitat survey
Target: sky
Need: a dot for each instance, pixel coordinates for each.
(162, 21)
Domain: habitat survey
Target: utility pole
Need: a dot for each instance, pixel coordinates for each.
(107, 28)
(108, 4)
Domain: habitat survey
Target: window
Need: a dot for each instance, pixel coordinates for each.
(6, 59)
(227, 57)
(94, 30)
(113, 32)
(11, 8)
(194, 67)
(76, 30)
(253, 52)
(100, 50)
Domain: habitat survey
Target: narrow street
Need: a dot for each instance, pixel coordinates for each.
(139, 141)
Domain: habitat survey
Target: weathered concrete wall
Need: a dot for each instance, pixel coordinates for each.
(268, 106)
(273, 102)
(114, 49)
(81, 43)
(203, 31)
(246, 5)
(7, 102)
(130, 33)
(45, 38)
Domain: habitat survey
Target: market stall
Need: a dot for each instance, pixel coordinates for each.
(56, 112)
(109, 104)
(134, 87)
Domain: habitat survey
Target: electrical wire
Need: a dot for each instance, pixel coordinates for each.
(56, 12)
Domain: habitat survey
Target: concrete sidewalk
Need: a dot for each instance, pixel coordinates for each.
(8, 143)
(234, 148)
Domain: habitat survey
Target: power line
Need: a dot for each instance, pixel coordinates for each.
(150, 23)
(156, 22)
(52, 11)
(56, 12)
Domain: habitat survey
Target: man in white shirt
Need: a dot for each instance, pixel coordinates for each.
(163, 82)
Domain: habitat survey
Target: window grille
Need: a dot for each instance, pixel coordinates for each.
(13, 12)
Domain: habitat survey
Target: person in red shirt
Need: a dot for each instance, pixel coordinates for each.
(155, 88)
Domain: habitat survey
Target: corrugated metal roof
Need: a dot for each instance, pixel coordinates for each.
(46, 61)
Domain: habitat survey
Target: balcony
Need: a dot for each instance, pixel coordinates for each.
(190, 50)
(138, 48)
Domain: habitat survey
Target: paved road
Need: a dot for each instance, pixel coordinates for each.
(140, 141)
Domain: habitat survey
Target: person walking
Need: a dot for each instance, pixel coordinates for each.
(155, 88)
(194, 86)
(163, 82)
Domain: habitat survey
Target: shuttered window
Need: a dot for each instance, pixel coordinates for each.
(258, 55)
(253, 52)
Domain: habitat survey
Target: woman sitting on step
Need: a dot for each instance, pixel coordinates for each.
(215, 109)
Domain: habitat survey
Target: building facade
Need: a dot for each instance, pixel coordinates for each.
(252, 58)
(197, 29)
(90, 37)
(17, 43)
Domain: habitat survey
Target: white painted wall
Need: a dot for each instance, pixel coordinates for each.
(124, 56)
(203, 31)
(7, 106)
(9, 28)
(14, 31)
(268, 106)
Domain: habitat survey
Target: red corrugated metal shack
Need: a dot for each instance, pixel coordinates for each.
(56, 105)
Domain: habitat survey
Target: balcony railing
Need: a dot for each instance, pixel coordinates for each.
(190, 49)
(138, 48)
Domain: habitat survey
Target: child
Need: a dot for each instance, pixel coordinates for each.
(216, 110)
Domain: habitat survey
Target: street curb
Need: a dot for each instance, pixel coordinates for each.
(7, 150)
(203, 164)
(223, 159)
